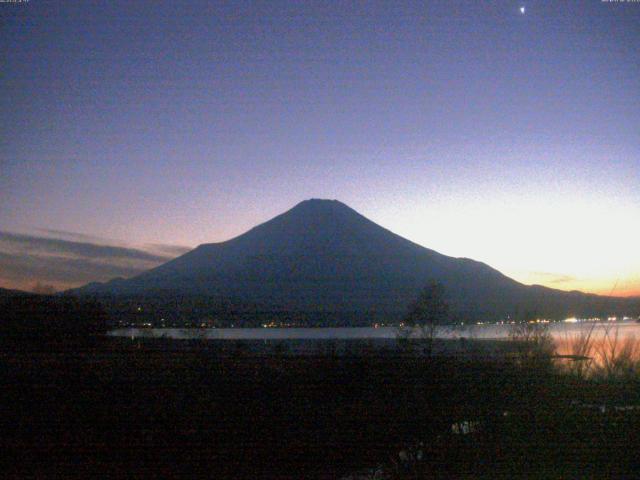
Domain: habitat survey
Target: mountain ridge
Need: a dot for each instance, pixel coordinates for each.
(321, 256)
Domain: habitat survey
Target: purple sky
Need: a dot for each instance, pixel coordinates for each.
(464, 126)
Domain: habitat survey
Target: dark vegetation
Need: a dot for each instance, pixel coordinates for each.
(164, 308)
(93, 406)
(126, 409)
(41, 319)
(175, 309)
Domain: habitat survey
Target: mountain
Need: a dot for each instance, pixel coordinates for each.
(6, 293)
(322, 259)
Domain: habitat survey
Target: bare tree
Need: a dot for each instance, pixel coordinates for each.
(428, 312)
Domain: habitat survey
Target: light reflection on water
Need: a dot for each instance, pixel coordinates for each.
(562, 333)
(600, 348)
(611, 348)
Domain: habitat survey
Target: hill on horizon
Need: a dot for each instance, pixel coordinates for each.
(6, 292)
(323, 260)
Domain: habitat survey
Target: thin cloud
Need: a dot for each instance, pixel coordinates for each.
(31, 261)
(55, 246)
(550, 277)
(23, 268)
(75, 236)
(169, 250)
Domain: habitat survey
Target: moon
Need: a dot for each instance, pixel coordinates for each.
(523, 10)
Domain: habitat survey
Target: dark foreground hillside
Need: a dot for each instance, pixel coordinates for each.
(122, 409)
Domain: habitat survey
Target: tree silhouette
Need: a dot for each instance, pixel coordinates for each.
(428, 311)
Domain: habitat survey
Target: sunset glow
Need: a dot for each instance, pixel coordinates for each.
(487, 130)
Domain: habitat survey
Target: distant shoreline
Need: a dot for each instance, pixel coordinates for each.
(480, 332)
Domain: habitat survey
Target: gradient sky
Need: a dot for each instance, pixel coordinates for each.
(132, 130)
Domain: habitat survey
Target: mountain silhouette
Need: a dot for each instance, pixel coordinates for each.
(324, 259)
(5, 293)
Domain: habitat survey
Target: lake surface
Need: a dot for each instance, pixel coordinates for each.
(600, 343)
(559, 331)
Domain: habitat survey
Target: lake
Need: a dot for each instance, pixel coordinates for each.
(560, 331)
(605, 345)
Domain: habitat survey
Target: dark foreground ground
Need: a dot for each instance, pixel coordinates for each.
(129, 410)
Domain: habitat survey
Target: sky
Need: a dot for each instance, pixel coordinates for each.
(135, 130)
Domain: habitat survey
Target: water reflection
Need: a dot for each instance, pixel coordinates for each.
(607, 349)
(561, 332)
(606, 346)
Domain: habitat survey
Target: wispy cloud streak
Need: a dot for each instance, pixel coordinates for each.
(26, 261)
(29, 243)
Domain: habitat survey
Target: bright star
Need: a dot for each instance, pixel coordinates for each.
(522, 10)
